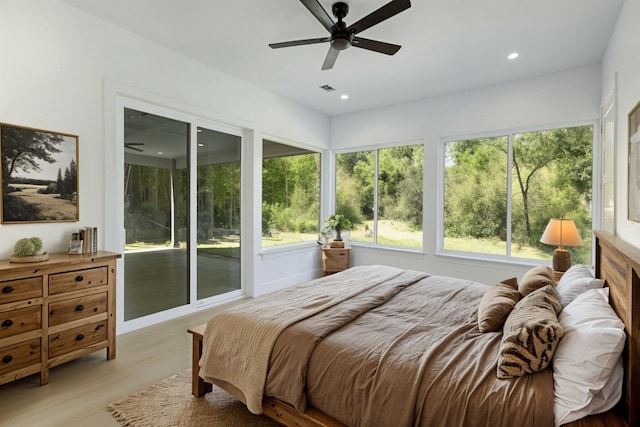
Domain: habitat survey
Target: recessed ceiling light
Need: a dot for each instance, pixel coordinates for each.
(160, 152)
(344, 96)
(513, 55)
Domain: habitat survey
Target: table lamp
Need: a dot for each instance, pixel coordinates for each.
(561, 232)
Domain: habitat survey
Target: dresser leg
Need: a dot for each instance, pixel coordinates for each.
(44, 376)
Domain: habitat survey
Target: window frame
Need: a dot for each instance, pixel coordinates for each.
(376, 148)
(596, 180)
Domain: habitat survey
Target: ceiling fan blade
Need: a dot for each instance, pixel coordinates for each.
(385, 12)
(318, 11)
(299, 42)
(376, 46)
(133, 148)
(330, 59)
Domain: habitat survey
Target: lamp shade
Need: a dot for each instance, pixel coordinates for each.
(561, 232)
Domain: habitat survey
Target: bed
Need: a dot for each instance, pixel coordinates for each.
(409, 360)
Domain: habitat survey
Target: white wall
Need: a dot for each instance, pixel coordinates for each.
(623, 57)
(567, 97)
(56, 62)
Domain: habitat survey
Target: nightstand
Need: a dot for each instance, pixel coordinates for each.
(334, 260)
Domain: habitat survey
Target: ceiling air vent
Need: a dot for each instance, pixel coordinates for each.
(327, 88)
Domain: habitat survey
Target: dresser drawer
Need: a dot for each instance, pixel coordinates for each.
(335, 260)
(19, 356)
(18, 321)
(77, 308)
(16, 290)
(77, 280)
(77, 338)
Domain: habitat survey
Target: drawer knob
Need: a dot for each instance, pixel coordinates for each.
(7, 323)
(79, 307)
(8, 358)
(79, 278)
(7, 289)
(80, 337)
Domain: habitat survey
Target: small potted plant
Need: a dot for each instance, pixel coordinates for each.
(28, 250)
(337, 223)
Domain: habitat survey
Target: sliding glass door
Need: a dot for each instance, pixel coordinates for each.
(181, 213)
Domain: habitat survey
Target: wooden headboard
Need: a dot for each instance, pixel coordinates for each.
(618, 263)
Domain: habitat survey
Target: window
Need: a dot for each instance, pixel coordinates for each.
(501, 191)
(290, 194)
(380, 191)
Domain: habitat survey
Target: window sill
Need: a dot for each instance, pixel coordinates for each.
(404, 249)
(499, 259)
(282, 250)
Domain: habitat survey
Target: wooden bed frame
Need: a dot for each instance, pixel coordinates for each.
(617, 262)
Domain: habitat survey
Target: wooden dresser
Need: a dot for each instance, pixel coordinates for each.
(334, 260)
(55, 311)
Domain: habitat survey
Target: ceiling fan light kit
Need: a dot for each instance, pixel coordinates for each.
(342, 37)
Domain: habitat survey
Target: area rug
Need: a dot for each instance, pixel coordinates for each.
(170, 403)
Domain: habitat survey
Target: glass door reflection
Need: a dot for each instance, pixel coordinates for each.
(155, 215)
(218, 213)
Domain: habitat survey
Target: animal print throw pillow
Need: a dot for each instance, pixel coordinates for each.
(536, 278)
(496, 304)
(531, 334)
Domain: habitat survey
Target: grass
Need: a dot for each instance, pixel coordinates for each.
(227, 246)
(390, 233)
(493, 246)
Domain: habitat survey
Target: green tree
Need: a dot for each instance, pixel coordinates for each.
(475, 188)
(551, 176)
(59, 182)
(23, 149)
(355, 186)
(69, 181)
(291, 193)
(567, 149)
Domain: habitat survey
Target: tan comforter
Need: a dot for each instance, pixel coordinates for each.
(237, 343)
(403, 351)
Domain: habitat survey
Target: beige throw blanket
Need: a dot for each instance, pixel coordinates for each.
(237, 343)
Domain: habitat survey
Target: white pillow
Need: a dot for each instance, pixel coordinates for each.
(611, 393)
(586, 356)
(576, 280)
(577, 271)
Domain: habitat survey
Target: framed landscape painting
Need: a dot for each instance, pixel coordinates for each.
(39, 175)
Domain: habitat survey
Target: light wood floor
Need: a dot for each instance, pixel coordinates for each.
(78, 392)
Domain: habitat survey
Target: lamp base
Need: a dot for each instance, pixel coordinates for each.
(561, 259)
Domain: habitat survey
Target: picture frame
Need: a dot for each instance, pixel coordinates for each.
(633, 184)
(39, 177)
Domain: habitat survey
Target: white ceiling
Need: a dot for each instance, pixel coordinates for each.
(447, 45)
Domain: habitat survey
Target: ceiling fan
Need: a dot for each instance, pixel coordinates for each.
(342, 36)
(132, 146)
